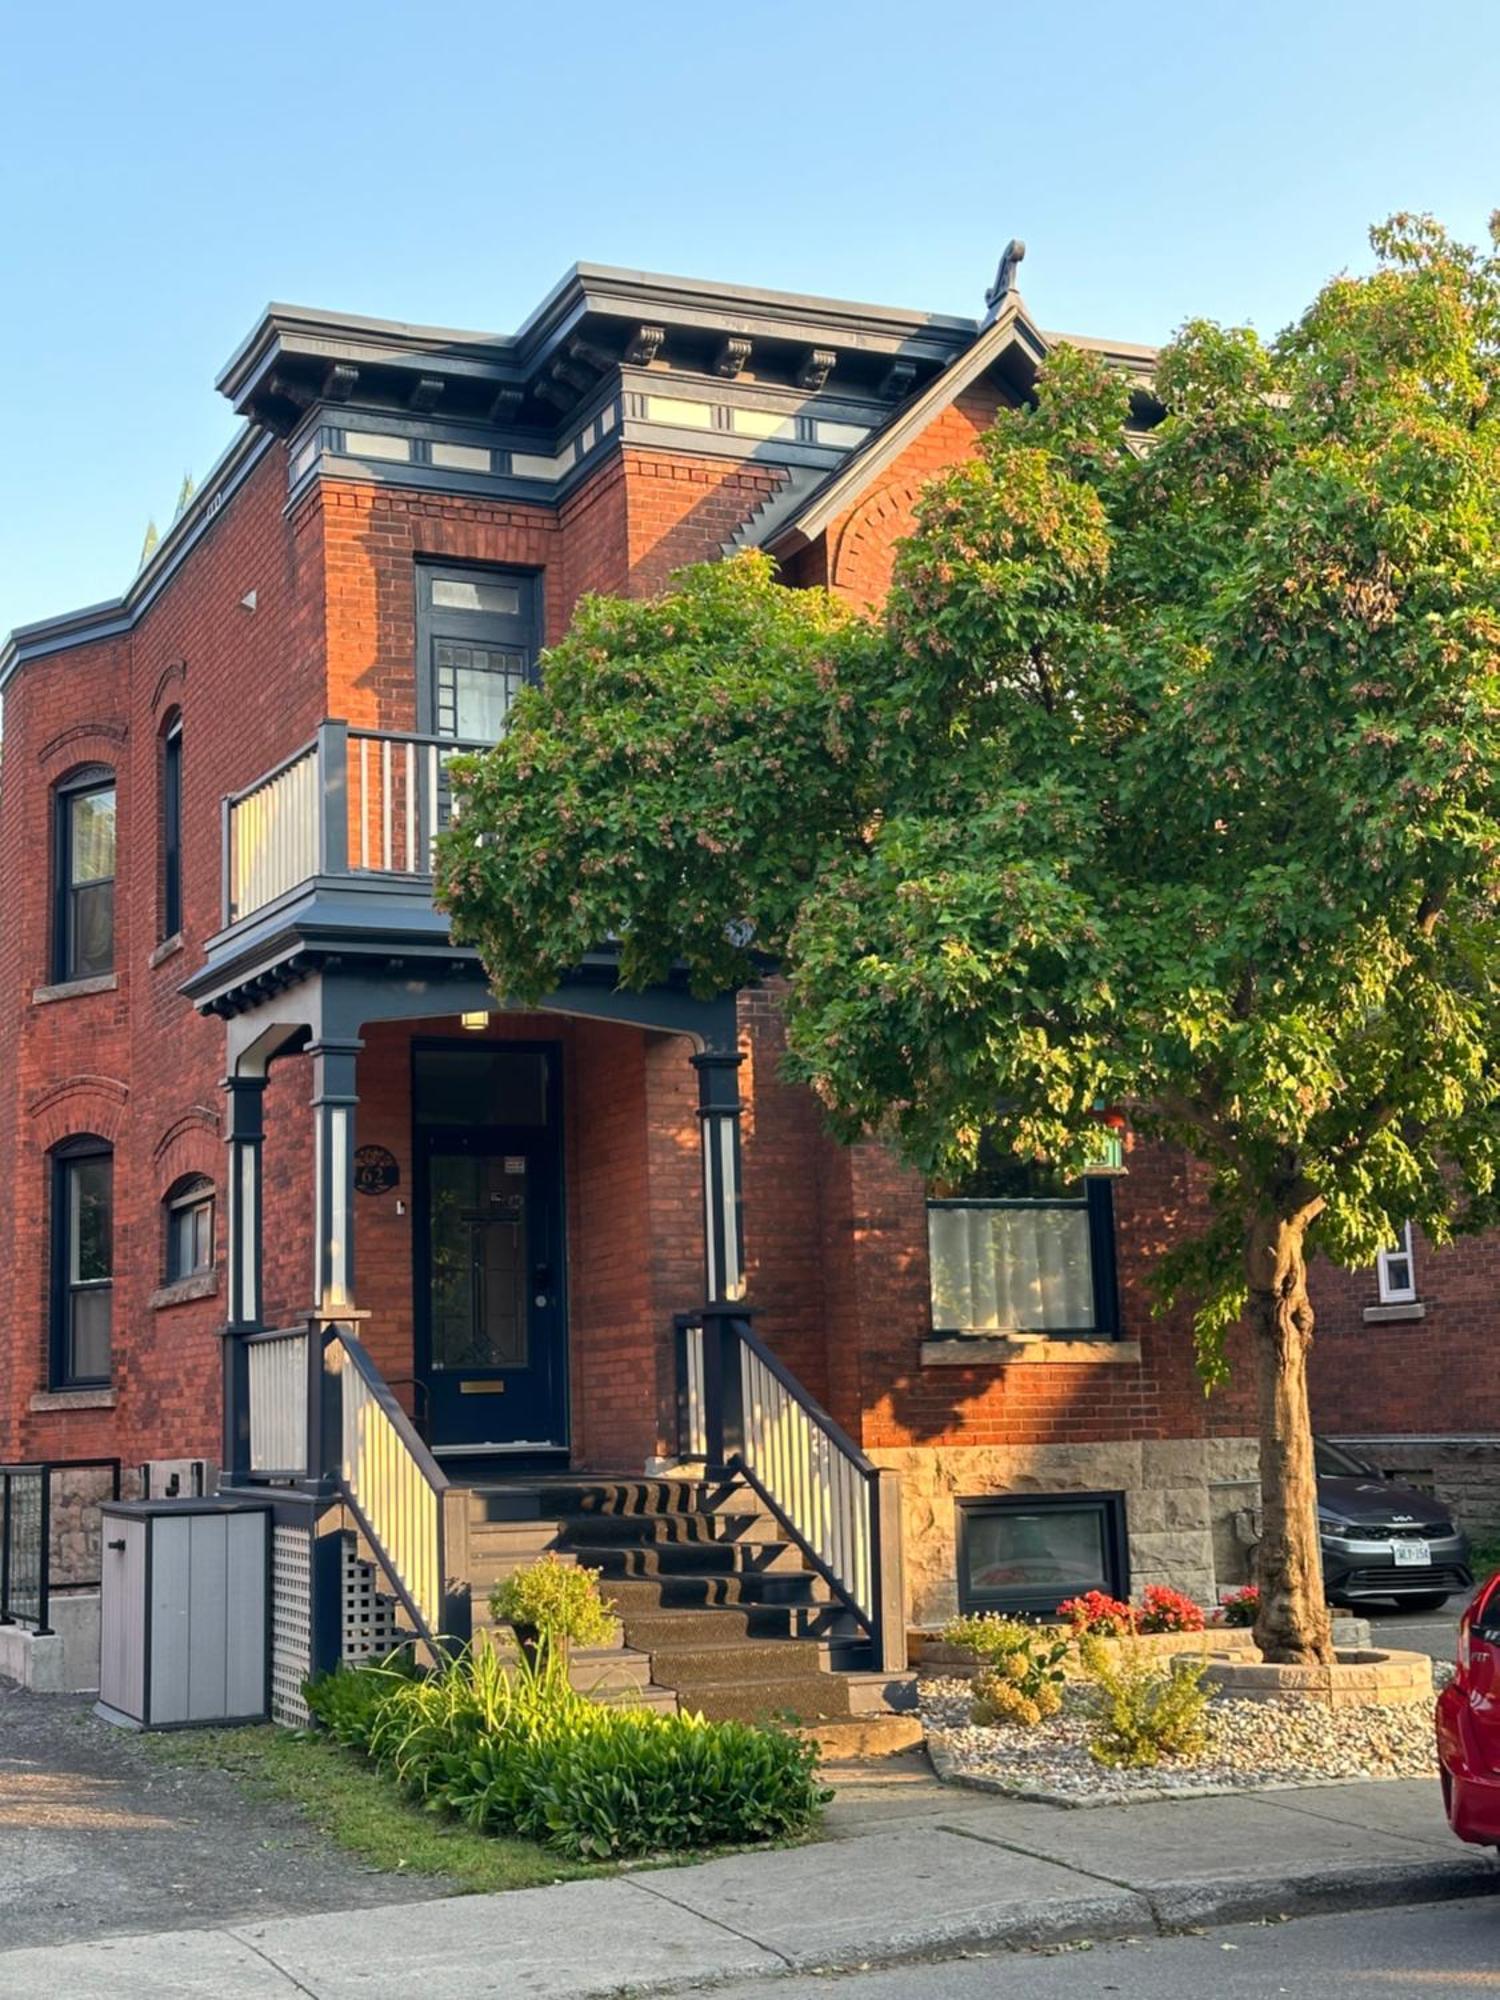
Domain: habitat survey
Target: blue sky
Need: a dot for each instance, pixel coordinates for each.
(166, 169)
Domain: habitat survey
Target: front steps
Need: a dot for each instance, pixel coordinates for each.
(719, 1613)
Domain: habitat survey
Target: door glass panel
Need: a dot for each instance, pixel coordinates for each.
(481, 1087)
(470, 593)
(479, 1262)
(475, 688)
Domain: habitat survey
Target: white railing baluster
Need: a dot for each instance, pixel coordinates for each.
(277, 1374)
(386, 857)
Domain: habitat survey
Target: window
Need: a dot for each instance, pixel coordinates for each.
(1026, 1553)
(190, 1228)
(82, 1261)
(1016, 1250)
(84, 944)
(477, 634)
(1396, 1272)
(171, 829)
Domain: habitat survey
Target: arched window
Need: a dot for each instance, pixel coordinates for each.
(171, 826)
(83, 943)
(83, 1261)
(189, 1205)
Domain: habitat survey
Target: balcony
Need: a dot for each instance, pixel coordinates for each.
(331, 851)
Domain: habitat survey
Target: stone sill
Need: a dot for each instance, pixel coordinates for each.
(75, 989)
(72, 1399)
(1382, 1315)
(1001, 1350)
(168, 948)
(202, 1286)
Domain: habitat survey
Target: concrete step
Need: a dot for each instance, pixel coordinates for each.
(668, 1593)
(502, 1637)
(550, 1499)
(699, 1529)
(706, 1559)
(778, 1659)
(863, 1737)
(732, 1625)
(794, 1698)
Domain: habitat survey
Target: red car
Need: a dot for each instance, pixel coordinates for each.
(1468, 1723)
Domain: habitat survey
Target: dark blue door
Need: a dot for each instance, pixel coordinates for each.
(491, 1319)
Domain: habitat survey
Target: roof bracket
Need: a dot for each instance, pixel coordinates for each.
(340, 382)
(897, 379)
(817, 365)
(732, 356)
(645, 344)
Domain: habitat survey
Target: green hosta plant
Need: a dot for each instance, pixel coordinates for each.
(1143, 1710)
(554, 1604)
(1022, 1677)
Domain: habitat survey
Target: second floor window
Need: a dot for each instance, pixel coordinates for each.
(477, 638)
(190, 1228)
(171, 829)
(82, 1261)
(84, 941)
(1396, 1272)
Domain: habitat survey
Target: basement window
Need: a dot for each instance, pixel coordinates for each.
(1026, 1553)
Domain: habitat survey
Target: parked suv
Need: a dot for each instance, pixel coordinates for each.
(1384, 1540)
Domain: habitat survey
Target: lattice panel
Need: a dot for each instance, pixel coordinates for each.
(291, 1623)
(369, 1622)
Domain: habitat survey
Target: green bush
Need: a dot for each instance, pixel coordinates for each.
(1143, 1711)
(556, 1602)
(516, 1750)
(348, 1701)
(1022, 1681)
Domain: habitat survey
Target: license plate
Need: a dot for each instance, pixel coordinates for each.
(1412, 1555)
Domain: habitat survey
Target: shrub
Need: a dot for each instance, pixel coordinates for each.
(347, 1702)
(1098, 1613)
(1023, 1663)
(555, 1602)
(1167, 1610)
(1143, 1710)
(1240, 1607)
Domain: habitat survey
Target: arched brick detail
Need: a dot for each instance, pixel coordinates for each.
(170, 677)
(864, 546)
(79, 1104)
(191, 1144)
(86, 743)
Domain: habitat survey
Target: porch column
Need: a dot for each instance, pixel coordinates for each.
(246, 1137)
(334, 1099)
(723, 1231)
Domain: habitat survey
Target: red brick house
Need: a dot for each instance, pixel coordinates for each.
(217, 801)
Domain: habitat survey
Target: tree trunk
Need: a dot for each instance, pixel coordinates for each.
(1292, 1625)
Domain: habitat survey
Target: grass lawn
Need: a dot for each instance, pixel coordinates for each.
(362, 1812)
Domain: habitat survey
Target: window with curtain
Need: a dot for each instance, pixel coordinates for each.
(82, 1261)
(1015, 1250)
(84, 943)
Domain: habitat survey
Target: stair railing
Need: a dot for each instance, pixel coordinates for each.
(414, 1521)
(742, 1411)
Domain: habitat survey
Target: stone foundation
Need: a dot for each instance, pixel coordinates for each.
(76, 1494)
(1182, 1498)
(1464, 1473)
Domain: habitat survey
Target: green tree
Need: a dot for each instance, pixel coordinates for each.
(1167, 781)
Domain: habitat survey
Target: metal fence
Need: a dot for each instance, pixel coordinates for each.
(26, 1554)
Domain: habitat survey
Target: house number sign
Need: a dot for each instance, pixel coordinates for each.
(375, 1170)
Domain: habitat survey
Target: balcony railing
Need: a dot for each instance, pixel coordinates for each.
(352, 801)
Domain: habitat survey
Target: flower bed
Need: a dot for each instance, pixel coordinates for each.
(1252, 1745)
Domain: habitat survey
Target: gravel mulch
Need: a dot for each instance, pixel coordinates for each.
(1253, 1745)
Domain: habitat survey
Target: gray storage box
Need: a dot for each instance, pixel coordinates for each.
(185, 1632)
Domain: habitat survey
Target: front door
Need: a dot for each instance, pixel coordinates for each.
(491, 1321)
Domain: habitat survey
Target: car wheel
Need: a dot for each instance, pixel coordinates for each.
(1430, 1600)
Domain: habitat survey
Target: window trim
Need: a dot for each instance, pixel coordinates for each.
(61, 1160)
(1099, 1201)
(1391, 1294)
(191, 1192)
(169, 923)
(521, 633)
(93, 778)
(1110, 1505)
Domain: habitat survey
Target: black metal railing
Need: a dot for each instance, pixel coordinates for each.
(26, 1516)
(743, 1412)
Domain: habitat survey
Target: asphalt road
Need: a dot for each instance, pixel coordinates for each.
(1448, 1951)
(1434, 1632)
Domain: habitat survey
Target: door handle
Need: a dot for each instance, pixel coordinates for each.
(116, 1545)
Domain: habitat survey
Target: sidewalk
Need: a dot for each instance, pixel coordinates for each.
(910, 1869)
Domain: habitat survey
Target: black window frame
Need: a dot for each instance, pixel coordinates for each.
(63, 1159)
(518, 632)
(83, 784)
(1098, 1198)
(171, 829)
(188, 1195)
(1038, 1604)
